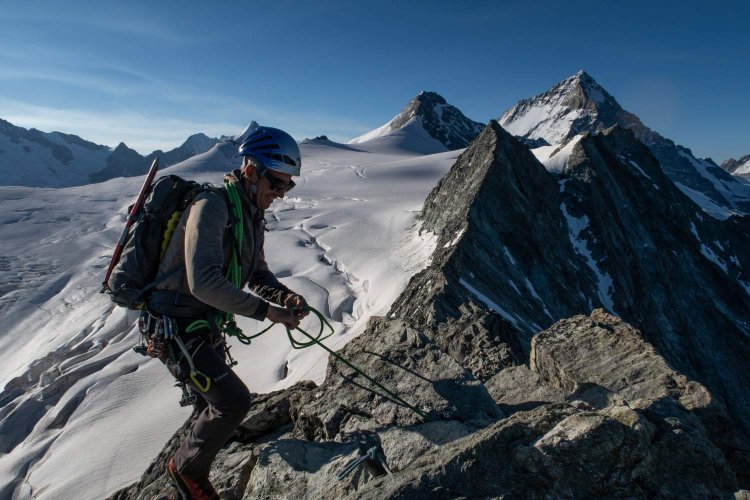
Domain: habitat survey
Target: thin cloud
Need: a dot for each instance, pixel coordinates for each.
(124, 22)
(148, 132)
(115, 81)
(140, 132)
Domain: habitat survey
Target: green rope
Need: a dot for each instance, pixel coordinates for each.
(225, 321)
(318, 340)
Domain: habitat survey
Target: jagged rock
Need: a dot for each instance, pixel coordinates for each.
(602, 350)
(232, 469)
(270, 412)
(612, 231)
(502, 242)
(479, 331)
(518, 388)
(294, 468)
(631, 429)
(533, 143)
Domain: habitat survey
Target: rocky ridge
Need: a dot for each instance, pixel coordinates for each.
(612, 231)
(521, 390)
(528, 431)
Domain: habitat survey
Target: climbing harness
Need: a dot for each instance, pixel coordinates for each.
(159, 336)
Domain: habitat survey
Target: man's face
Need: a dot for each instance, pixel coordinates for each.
(266, 193)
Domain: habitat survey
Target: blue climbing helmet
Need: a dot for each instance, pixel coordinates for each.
(274, 149)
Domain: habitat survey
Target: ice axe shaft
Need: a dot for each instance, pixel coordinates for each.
(130, 221)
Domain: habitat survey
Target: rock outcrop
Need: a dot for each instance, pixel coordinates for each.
(597, 413)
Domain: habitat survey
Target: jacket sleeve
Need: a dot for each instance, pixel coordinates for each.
(204, 259)
(264, 283)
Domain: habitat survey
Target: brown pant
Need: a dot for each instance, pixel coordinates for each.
(228, 401)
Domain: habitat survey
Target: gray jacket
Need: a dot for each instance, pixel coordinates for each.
(201, 251)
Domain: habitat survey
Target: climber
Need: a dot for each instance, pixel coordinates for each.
(215, 263)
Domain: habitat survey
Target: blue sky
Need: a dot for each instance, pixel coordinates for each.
(151, 73)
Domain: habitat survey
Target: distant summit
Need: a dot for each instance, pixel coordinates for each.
(54, 159)
(737, 167)
(431, 113)
(574, 106)
(579, 105)
(47, 159)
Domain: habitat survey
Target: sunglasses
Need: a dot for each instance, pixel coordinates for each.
(277, 184)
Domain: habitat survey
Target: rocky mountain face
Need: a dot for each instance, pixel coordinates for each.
(126, 162)
(523, 386)
(737, 167)
(443, 122)
(54, 159)
(35, 158)
(612, 231)
(579, 104)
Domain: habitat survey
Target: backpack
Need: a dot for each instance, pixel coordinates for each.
(148, 238)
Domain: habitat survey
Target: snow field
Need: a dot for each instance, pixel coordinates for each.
(86, 413)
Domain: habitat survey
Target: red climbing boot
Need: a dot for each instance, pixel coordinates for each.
(191, 488)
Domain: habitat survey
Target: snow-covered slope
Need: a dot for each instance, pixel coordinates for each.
(34, 158)
(550, 122)
(81, 413)
(737, 167)
(53, 159)
(427, 124)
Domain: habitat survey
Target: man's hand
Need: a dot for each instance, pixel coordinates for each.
(297, 303)
(282, 315)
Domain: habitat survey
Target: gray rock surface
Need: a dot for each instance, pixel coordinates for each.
(598, 413)
(536, 248)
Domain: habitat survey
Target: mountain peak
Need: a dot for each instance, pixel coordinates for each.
(432, 113)
(582, 91)
(198, 143)
(575, 105)
(429, 98)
